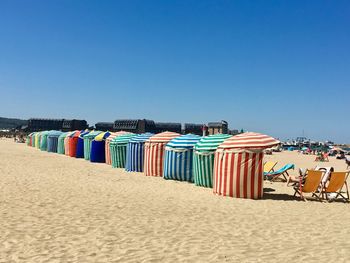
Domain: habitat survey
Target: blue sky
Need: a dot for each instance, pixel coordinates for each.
(277, 67)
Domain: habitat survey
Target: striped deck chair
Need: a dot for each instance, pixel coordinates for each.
(335, 185)
(309, 184)
(268, 166)
(283, 172)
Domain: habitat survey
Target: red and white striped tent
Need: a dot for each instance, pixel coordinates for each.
(238, 165)
(154, 152)
(108, 141)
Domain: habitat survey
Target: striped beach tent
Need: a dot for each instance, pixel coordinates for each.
(30, 139)
(118, 149)
(97, 154)
(80, 145)
(88, 138)
(66, 142)
(178, 162)
(60, 143)
(154, 152)
(37, 140)
(33, 139)
(107, 145)
(135, 152)
(72, 143)
(43, 140)
(52, 141)
(238, 165)
(203, 158)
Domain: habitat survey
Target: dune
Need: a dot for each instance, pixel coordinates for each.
(60, 209)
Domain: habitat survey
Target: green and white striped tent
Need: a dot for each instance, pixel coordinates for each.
(88, 138)
(43, 140)
(118, 149)
(60, 143)
(203, 159)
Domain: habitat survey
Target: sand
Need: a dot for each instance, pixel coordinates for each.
(54, 208)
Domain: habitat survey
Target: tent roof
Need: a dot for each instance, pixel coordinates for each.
(187, 141)
(211, 142)
(249, 140)
(54, 133)
(102, 136)
(140, 138)
(92, 134)
(123, 139)
(163, 137)
(116, 134)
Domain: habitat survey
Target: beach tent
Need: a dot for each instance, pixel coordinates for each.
(30, 139)
(154, 152)
(203, 158)
(33, 139)
(88, 138)
(43, 140)
(60, 143)
(135, 152)
(178, 162)
(52, 141)
(238, 165)
(72, 143)
(80, 145)
(107, 144)
(98, 154)
(118, 149)
(66, 142)
(37, 140)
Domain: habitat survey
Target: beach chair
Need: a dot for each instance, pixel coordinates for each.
(335, 185)
(268, 166)
(283, 172)
(309, 184)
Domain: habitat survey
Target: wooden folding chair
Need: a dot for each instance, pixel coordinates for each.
(309, 184)
(335, 185)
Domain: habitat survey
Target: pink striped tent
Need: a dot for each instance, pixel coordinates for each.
(108, 141)
(154, 152)
(238, 165)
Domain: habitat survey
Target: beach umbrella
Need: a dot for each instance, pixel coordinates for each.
(98, 148)
(118, 147)
(80, 145)
(43, 140)
(88, 138)
(238, 165)
(52, 140)
(178, 162)
(107, 144)
(60, 143)
(135, 152)
(154, 152)
(203, 158)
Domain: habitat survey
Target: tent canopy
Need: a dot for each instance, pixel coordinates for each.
(187, 141)
(54, 133)
(116, 134)
(102, 136)
(163, 137)
(91, 134)
(210, 143)
(249, 140)
(123, 139)
(141, 138)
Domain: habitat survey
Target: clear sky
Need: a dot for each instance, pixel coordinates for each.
(277, 67)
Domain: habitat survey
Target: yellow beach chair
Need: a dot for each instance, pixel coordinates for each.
(268, 166)
(335, 185)
(309, 184)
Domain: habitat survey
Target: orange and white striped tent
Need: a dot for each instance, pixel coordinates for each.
(154, 152)
(238, 165)
(108, 141)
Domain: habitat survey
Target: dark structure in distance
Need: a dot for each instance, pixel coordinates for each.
(37, 124)
(104, 126)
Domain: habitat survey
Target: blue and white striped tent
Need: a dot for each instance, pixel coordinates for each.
(52, 141)
(135, 153)
(178, 162)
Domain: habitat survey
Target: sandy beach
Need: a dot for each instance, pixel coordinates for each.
(60, 209)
